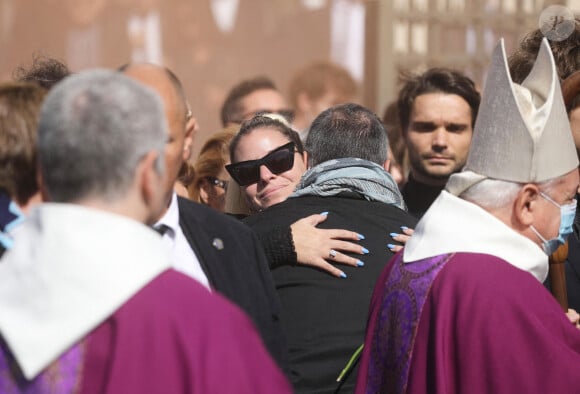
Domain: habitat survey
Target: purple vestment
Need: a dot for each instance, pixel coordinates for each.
(466, 323)
(171, 337)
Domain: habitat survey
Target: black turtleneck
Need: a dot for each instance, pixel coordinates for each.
(419, 196)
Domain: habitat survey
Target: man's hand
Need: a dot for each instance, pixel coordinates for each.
(574, 317)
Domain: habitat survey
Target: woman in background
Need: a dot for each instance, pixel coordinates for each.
(211, 179)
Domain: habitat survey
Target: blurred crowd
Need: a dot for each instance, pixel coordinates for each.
(311, 246)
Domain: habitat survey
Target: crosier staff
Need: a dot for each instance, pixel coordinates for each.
(558, 276)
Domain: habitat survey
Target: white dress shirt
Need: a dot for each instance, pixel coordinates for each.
(183, 258)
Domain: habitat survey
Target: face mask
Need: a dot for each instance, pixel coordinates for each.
(567, 214)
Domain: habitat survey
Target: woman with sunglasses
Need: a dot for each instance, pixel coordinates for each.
(267, 162)
(211, 179)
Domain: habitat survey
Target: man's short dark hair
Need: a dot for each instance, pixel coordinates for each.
(571, 91)
(347, 130)
(566, 54)
(318, 78)
(232, 110)
(436, 80)
(44, 71)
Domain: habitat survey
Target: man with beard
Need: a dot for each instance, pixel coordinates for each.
(437, 110)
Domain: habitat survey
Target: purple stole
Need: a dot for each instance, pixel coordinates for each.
(63, 376)
(394, 328)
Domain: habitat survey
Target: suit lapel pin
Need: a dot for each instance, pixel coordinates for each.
(218, 243)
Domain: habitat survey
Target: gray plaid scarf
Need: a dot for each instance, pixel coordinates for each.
(350, 175)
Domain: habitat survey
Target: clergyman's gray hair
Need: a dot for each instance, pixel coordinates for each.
(95, 127)
(491, 193)
(347, 130)
(495, 193)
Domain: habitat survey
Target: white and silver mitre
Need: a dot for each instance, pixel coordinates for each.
(522, 133)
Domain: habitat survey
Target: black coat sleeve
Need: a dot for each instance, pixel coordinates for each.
(279, 246)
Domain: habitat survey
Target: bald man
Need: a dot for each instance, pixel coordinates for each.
(218, 251)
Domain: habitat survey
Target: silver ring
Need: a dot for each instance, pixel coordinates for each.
(332, 254)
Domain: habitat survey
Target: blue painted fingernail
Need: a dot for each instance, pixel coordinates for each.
(343, 275)
(365, 250)
(360, 236)
(324, 213)
(394, 234)
(404, 228)
(360, 263)
(390, 246)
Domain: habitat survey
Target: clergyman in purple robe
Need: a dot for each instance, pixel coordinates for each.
(462, 308)
(88, 300)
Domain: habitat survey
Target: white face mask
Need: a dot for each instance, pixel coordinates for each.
(567, 214)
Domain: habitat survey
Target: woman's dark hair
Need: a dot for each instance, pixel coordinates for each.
(260, 122)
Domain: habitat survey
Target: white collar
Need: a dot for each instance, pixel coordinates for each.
(70, 269)
(455, 225)
(171, 216)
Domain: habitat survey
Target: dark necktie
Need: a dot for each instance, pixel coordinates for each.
(161, 229)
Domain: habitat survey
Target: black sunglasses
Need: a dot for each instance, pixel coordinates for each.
(278, 161)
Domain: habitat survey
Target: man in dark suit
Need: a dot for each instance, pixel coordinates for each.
(218, 251)
(324, 317)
